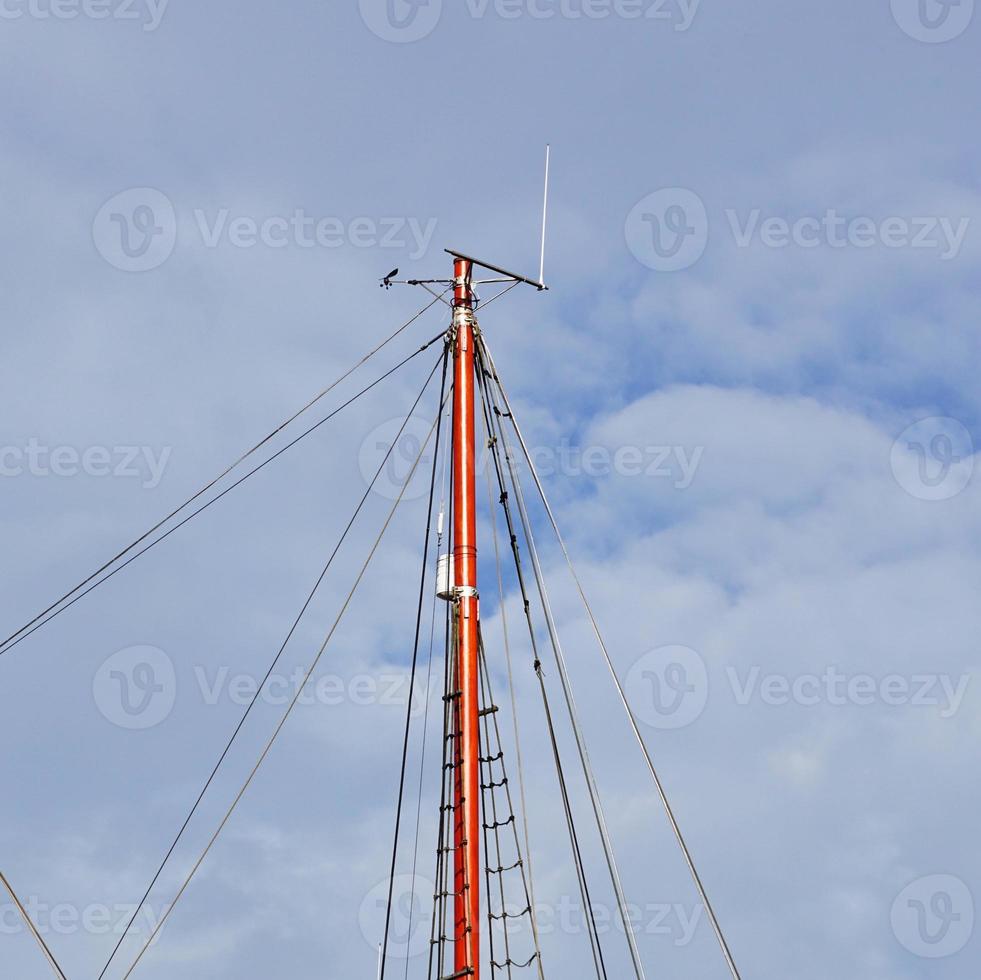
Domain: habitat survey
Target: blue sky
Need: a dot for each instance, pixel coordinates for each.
(752, 389)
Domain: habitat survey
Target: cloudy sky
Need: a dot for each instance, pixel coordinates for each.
(751, 391)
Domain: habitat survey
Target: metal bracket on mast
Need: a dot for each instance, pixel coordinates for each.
(511, 276)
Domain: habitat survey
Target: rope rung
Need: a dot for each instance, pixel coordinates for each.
(500, 823)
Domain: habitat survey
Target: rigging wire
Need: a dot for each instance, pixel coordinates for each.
(511, 689)
(587, 766)
(596, 946)
(48, 955)
(675, 825)
(422, 766)
(438, 932)
(289, 710)
(269, 672)
(415, 661)
(438, 937)
(490, 788)
(200, 493)
(484, 304)
(491, 819)
(429, 681)
(57, 609)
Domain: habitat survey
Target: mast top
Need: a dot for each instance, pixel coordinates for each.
(511, 277)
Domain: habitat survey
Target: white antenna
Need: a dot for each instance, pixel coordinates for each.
(541, 268)
(381, 961)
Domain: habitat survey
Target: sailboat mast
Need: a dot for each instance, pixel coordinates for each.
(467, 745)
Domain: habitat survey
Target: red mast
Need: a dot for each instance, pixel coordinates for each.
(466, 795)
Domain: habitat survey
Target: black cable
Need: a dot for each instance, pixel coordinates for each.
(32, 928)
(490, 814)
(221, 475)
(490, 788)
(269, 672)
(20, 635)
(415, 661)
(492, 430)
(300, 688)
(425, 721)
(437, 933)
(560, 662)
(422, 762)
(631, 717)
